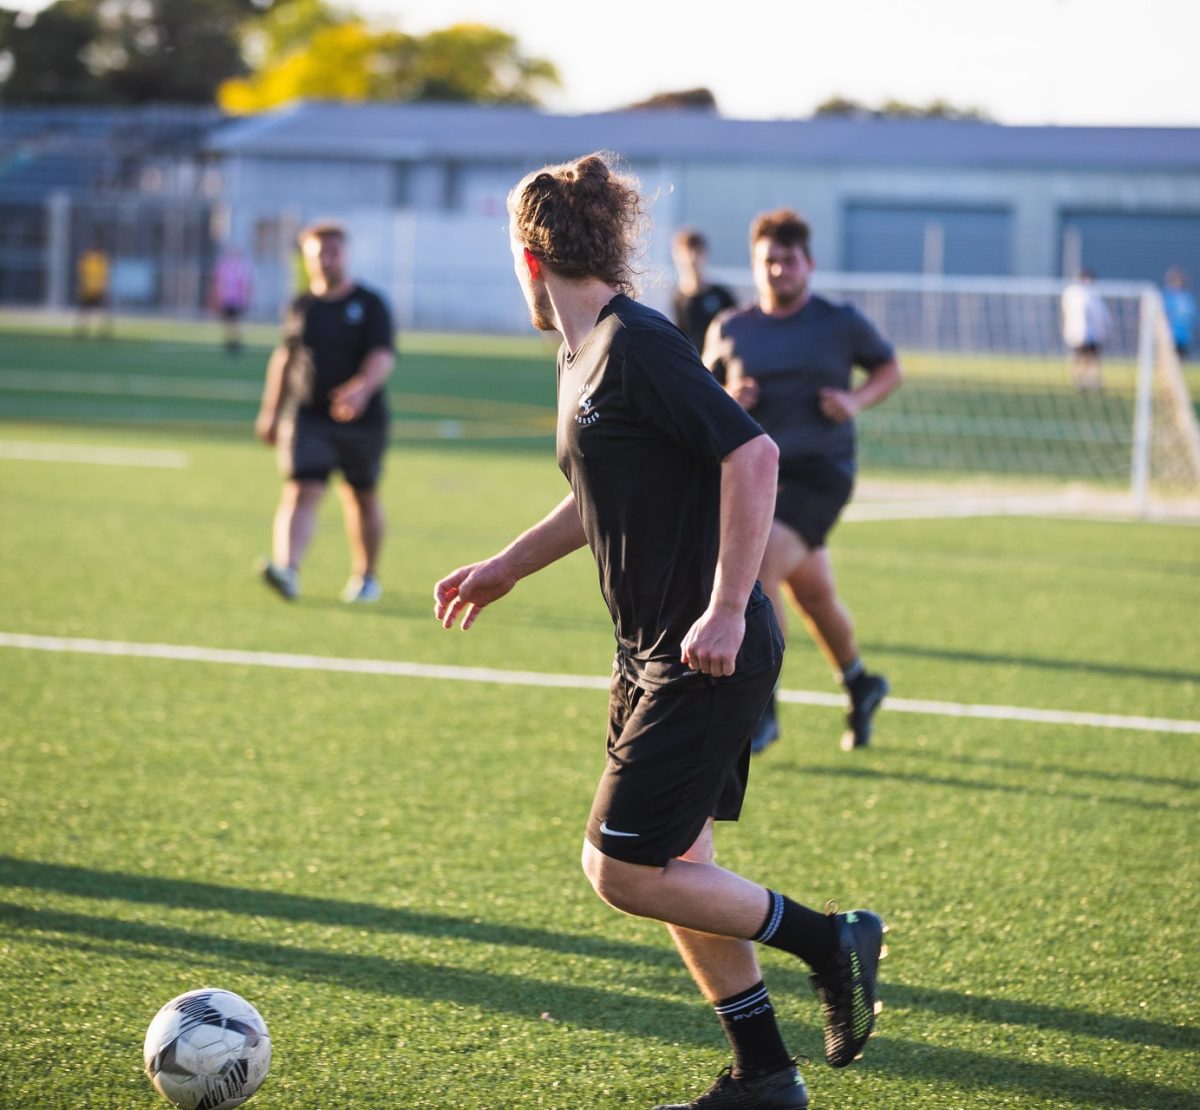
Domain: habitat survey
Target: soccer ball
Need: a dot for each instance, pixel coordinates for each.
(207, 1050)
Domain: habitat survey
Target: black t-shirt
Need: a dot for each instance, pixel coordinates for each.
(793, 358)
(328, 341)
(694, 311)
(642, 430)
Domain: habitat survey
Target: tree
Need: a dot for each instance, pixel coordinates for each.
(41, 57)
(693, 100)
(473, 62)
(121, 51)
(893, 108)
(309, 50)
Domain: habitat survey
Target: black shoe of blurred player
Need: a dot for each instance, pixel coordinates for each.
(766, 732)
(847, 986)
(283, 580)
(777, 1090)
(866, 696)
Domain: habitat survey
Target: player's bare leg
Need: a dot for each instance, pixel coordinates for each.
(687, 892)
(296, 521)
(293, 528)
(362, 511)
(811, 586)
(715, 916)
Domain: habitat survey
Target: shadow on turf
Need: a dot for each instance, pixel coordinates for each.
(979, 1072)
(393, 976)
(1074, 770)
(870, 774)
(629, 1015)
(949, 655)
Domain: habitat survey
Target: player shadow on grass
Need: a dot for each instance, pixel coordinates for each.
(192, 896)
(1050, 791)
(1003, 659)
(626, 1013)
(1072, 770)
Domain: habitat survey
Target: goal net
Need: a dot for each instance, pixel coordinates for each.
(989, 401)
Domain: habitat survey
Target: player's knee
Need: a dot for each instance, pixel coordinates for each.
(810, 596)
(620, 885)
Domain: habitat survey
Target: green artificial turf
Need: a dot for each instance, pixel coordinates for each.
(387, 867)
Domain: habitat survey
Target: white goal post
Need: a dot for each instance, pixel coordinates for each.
(988, 393)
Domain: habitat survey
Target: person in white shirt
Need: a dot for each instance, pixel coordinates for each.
(1085, 329)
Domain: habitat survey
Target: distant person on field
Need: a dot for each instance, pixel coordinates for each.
(789, 361)
(1180, 307)
(697, 300)
(232, 285)
(92, 292)
(324, 408)
(1085, 325)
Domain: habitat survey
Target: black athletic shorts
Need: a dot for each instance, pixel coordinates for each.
(312, 446)
(812, 493)
(677, 755)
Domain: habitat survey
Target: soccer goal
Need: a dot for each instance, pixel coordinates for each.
(989, 401)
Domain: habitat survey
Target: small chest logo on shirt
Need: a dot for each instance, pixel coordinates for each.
(586, 414)
(354, 312)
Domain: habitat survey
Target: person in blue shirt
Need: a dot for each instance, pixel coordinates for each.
(1180, 307)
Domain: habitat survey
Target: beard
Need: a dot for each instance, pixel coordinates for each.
(541, 311)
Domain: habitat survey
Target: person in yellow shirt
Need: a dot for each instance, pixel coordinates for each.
(92, 273)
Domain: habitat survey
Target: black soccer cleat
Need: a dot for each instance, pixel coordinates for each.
(777, 1090)
(283, 580)
(847, 986)
(866, 697)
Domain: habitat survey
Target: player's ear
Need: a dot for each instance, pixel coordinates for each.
(533, 262)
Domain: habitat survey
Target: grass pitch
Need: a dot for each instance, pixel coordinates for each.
(387, 867)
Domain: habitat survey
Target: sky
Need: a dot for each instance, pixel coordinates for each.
(1104, 62)
(1107, 62)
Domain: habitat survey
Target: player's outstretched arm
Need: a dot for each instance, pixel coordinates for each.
(467, 590)
(749, 477)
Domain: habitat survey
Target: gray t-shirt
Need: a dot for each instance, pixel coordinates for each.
(793, 358)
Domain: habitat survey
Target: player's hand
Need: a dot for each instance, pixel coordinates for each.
(838, 405)
(712, 643)
(266, 427)
(464, 592)
(347, 401)
(744, 391)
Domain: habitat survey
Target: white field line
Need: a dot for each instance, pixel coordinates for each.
(95, 456)
(190, 654)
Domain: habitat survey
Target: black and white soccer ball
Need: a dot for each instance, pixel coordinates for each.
(208, 1049)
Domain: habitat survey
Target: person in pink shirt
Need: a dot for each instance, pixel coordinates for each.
(232, 282)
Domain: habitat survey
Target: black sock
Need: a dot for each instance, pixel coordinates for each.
(799, 930)
(853, 675)
(748, 1019)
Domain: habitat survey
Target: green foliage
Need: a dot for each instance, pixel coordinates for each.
(310, 50)
(893, 108)
(45, 55)
(122, 51)
(251, 56)
(387, 867)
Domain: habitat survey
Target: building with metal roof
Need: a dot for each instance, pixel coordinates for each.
(424, 185)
